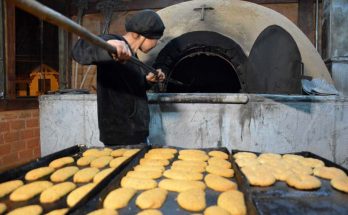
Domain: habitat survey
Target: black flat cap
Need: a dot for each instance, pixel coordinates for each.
(146, 23)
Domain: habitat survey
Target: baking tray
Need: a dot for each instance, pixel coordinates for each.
(170, 206)
(282, 199)
(75, 152)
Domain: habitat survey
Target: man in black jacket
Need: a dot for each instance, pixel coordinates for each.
(123, 112)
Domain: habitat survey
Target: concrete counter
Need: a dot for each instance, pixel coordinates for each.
(263, 123)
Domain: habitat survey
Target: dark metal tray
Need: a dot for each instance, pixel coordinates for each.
(170, 206)
(282, 199)
(76, 153)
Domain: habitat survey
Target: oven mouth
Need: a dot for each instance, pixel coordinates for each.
(203, 72)
(204, 61)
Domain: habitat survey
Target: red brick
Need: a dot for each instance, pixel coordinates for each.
(35, 142)
(26, 134)
(26, 154)
(4, 127)
(18, 146)
(5, 149)
(37, 152)
(17, 124)
(11, 136)
(32, 123)
(35, 113)
(8, 115)
(24, 114)
(2, 140)
(36, 132)
(10, 158)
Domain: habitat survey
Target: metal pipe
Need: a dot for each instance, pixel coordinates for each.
(316, 24)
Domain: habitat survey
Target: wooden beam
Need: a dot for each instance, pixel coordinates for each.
(159, 4)
(18, 104)
(2, 48)
(10, 49)
(306, 18)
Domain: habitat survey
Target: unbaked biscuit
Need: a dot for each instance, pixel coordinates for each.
(151, 199)
(117, 161)
(303, 182)
(76, 195)
(292, 157)
(311, 162)
(61, 162)
(97, 152)
(61, 211)
(118, 198)
(192, 152)
(159, 156)
(269, 158)
(216, 170)
(280, 172)
(340, 183)
(233, 202)
(103, 211)
(9, 186)
(218, 154)
(150, 212)
(243, 162)
(163, 150)
(193, 157)
(63, 174)
(102, 174)
(219, 162)
(180, 185)
(38, 173)
(149, 168)
(56, 192)
(84, 161)
(3, 208)
(192, 200)
(30, 190)
(183, 175)
(189, 163)
(258, 176)
(85, 175)
(301, 169)
(244, 155)
(101, 162)
(130, 152)
(145, 174)
(154, 162)
(30, 209)
(118, 152)
(268, 155)
(198, 169)
(329, 172)
(138, 183)
(215, 210)
(219, 183)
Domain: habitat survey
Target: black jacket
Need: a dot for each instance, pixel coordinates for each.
(123, 113)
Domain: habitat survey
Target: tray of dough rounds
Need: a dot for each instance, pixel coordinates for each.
(280, 190)
(61, 167)
(133, 190)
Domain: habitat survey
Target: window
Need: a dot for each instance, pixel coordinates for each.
(36, 56)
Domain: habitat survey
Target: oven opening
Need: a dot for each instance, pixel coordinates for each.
(204, 72)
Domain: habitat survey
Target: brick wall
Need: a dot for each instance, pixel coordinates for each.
(19, 137)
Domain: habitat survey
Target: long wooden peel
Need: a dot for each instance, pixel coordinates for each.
(47, 14)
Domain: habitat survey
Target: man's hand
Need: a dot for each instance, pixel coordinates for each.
(152, 78)
(123, 52)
